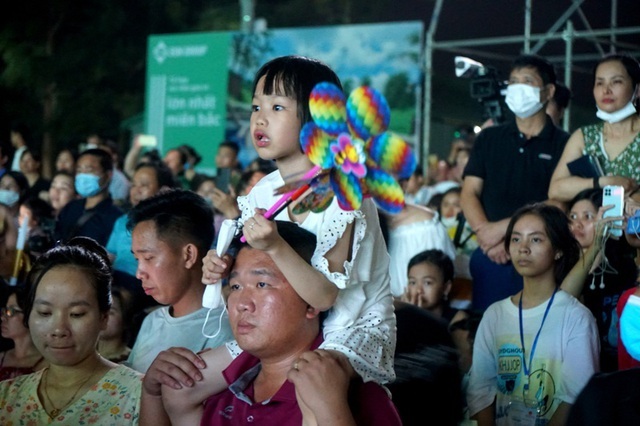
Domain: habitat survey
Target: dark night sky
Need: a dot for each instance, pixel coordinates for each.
(475, 19)
(469, 19)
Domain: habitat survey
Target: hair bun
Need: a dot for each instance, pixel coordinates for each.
(91, 245)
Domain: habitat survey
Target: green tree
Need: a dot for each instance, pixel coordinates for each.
(399, 92)
(77, 68)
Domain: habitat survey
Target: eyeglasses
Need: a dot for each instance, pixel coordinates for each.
(10, 312)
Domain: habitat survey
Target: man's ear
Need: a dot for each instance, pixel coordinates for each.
(190, 255)
(312, 312)
(551, 90)
(447, 289)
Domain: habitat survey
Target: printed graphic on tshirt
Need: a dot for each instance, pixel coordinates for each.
(541, 393)
(509, 368)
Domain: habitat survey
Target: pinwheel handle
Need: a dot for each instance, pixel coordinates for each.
(288, 197)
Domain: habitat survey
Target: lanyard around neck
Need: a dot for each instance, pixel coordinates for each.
(535, 340)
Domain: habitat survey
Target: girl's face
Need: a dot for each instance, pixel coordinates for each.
(530, 248)
(65, 162)
(450, 205)
(66, 320)
(207, 190)
(114, 323)
(226, 158)
(275, 125)
(612, 88)
(8, 182)
(11, 322)
(28, 164)
(173, 160)
(61, 191)
(583, 221)
(255, 178)
(426, 280)
(143, 185)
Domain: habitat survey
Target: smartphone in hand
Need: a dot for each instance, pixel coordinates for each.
(614, 195)
(148, 141)
(223, 179)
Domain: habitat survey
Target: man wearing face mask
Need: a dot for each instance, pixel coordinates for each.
(510, 166)
(94, 214)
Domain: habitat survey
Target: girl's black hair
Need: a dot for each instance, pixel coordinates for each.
(80, 252)
(295, 77)
(21, 181)
(438, 259)
(163, 174)
(592, 194)
(556, 225)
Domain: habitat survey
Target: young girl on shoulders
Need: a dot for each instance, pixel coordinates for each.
(535, 350)
(350, 266)
(350, 272)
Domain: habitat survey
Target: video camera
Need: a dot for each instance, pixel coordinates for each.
(486, 87)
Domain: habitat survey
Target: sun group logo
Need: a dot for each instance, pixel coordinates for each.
(161, 52)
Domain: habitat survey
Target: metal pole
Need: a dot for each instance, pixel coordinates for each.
(428, 73)
(586, 23)
(613, 25)
(527, 26)
(247, 12)
(426, 116)
(568, 52)
(519, 39)
(576, 4)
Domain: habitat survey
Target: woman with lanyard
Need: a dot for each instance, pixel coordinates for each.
(535, 350)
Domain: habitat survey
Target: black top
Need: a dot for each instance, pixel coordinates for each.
(619, 276)
(428, 380)
(515, 171)
(40, 185)
(98, 226)
(611, 399)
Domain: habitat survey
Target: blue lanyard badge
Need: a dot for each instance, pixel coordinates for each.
(535, 340)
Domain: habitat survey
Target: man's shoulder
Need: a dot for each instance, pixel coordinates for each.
(107, 207)
(497, 130)
(155, 315)
(71, 209)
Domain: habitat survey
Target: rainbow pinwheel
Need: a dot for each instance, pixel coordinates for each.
(349, 141)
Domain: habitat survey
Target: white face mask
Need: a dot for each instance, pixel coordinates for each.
(523, 100)
(449, 222)
(9, 197)
(630, 326)
(619, 115)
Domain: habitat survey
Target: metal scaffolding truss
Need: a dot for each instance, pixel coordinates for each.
(562, 29)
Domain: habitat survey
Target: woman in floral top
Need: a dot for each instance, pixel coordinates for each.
(68, 306)
(614, 141)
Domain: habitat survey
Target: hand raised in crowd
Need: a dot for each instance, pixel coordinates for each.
(226, 203)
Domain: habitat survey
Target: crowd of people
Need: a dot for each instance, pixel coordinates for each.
(499, 294)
